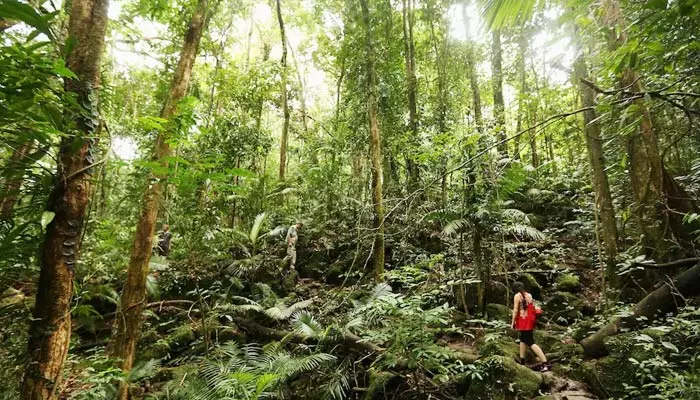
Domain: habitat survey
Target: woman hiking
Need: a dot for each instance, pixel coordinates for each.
(524, 320)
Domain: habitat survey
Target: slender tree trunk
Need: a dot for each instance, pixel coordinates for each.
(13, 180)
(49, 334)
(375, 147)
(473, 77)
(285, 104)
(645, 166)
(409, 50)
(499, 108)
(534, 106)
(596, 158)
(133, 297)
(522, 106)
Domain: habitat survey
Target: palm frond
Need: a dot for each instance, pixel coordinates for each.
(524, 231)
(503, 13)
(305, 324)
(454, 226)
(257, 226)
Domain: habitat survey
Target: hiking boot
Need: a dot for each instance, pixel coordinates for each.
(544, 367)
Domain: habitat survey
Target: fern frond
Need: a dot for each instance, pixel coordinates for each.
(381, 290)
(524, 231)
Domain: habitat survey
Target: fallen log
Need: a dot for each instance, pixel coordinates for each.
(666, 299)
(685, 262)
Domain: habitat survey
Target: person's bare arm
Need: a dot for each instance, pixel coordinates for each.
(516, 305)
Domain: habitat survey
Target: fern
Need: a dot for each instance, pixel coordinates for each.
(247, 372)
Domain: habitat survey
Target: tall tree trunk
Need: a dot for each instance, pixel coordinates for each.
(535, 161)
(523, 91)
(473, 77)
(375, 147)
(285, 104)
(13, 180)
(133, 297)
(499, 108)
(410, 56)
(645, 166)
(49, 334)
(596, 158)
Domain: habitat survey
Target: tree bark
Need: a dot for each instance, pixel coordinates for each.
(410, 56)
(49, 334)
(596, 159)
(133, 299)
(666, 299)
(375, 147)
(13, 180)
(645, 167)
(473, 77)
(285, 104)
(498, 103)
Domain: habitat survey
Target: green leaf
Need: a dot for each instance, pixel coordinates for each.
(14, 10)
(46, 218)
(60, 69)
(670, 346)
(656, 4)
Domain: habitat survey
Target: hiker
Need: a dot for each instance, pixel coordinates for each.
(524, 320)
(164, 241)
(292, 236)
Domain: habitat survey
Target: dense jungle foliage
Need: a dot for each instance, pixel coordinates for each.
(335, 199)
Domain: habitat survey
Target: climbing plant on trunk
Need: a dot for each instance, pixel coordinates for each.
(375, 145)
(285, 101)
(50, 331)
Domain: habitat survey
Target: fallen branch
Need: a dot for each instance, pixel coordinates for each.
(685, 262)
(159, 305)
(666, 299)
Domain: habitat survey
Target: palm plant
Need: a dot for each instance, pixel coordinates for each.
(251, 243)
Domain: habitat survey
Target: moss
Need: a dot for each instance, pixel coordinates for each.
(380, 383)
(501, 346)
(502, 377)
(568, 283)
(181, 336)
(156, 351)
(499, 312)
(531, 285)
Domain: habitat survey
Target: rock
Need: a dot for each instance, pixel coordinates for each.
(499, 346)
(499, 312)
(501, 377)
(564, 308)
(568, 283)
(497, 294)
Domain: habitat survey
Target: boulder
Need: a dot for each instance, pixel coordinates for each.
(381, 383)
(531, 285)
(564, 308)
(500, 378)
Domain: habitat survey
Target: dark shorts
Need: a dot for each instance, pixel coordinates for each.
(527, 337)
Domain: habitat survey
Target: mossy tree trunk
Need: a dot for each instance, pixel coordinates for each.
(133, 299)
(375, 146)
(412, 168)
(499, 109)
(285, 100)
(50, 331)
(596, 159)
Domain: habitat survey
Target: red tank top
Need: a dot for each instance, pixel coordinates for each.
(525, 321)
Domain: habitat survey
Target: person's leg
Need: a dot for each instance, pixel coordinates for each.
(523, 352)
(539, 353)
(293, 256)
